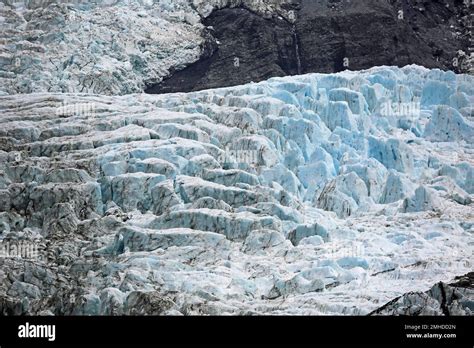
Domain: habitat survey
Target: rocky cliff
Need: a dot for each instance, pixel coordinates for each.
(456, 298)
(328, 36)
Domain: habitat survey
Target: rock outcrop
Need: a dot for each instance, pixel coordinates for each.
(456, 298)
(327, 36)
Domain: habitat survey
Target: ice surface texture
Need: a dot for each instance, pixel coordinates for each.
(313, 194)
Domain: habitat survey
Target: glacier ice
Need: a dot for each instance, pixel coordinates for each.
(108, 47)
(447, 124)
(294, 195)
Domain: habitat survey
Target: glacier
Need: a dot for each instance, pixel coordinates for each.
(310, 194)
(105, 47)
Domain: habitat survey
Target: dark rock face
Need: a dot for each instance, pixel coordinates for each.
(456, 298)
(326, 36)
(370, 33)
(250, 48)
